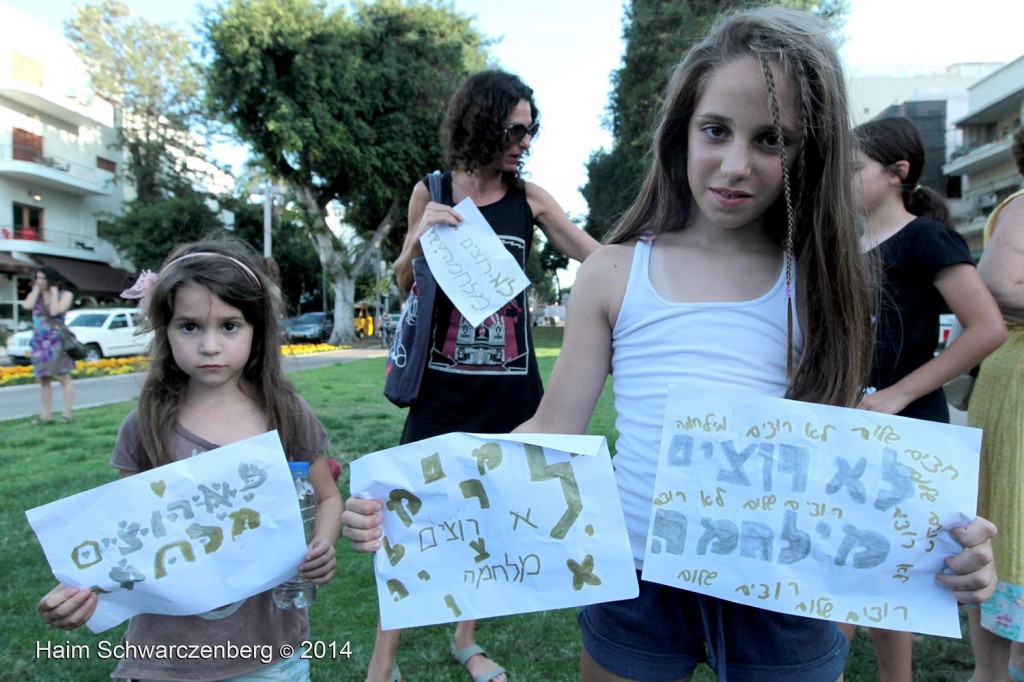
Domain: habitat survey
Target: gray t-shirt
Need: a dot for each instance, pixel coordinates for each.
(255, 624)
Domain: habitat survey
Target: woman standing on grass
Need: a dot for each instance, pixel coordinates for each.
(489, 127)
(997, 407)
(48, 303)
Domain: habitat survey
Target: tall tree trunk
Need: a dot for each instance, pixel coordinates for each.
(340, 275)
(334, 266)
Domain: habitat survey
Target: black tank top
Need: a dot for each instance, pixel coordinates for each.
(481, 379)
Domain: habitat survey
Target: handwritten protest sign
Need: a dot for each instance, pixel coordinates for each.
(487, 525)
(472, 266)
(180, 539)
(811, 510)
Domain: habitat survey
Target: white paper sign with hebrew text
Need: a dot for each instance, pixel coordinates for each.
(180, 539)
(471, 265)
(818, 511)
(478, 525)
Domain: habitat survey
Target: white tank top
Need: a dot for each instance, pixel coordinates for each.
(656, 343)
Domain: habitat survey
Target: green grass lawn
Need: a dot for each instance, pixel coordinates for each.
(41, 464)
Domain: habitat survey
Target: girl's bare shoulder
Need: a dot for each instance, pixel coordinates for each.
(607, 260)
(603, 276)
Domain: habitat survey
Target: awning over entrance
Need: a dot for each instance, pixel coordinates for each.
(9, 265)
(90, 277)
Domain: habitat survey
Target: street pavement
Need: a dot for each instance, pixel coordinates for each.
(23, 401)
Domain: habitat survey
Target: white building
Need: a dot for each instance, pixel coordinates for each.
(59, 163)
(986, 171)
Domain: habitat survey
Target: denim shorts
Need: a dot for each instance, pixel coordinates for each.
(664, 633)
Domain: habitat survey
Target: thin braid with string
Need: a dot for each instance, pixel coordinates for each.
(790, 213)
(805, 116)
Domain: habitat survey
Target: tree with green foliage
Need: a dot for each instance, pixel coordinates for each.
(147, 70)
(298, 268)
(657, 34)
(342, 108)
(146, 231)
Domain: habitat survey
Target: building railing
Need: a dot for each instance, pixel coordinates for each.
(69, 240)
(79, 171)
(997, 137)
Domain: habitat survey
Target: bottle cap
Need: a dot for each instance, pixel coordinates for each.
(301, 468)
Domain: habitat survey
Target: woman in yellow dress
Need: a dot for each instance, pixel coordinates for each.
(997, 406)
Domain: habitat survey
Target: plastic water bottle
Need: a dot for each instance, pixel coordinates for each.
(298, 592)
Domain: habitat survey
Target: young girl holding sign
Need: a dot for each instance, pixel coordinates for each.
(215, 378)
(737, 266)
(926, 266)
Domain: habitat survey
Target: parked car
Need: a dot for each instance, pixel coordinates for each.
(106, 333)
(311, 328)
(284, 325)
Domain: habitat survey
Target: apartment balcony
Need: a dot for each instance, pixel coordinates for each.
(44, 170)
(65, 107)
(54, 242)
(977, 158)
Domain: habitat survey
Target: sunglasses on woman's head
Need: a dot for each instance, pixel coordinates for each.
(517, 131)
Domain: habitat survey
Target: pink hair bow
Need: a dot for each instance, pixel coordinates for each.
(142, 289)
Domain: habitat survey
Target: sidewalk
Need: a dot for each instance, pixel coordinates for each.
(23, 401)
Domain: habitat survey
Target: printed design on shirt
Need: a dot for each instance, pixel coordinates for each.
(498, 346)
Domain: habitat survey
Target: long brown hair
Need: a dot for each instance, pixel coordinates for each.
(814, 218)
(220, 270)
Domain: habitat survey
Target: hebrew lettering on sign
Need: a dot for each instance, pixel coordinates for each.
(155, 541)
(472, 266)
(515, 523)
(811, 510)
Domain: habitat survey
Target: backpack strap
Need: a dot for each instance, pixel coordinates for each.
(434, 185)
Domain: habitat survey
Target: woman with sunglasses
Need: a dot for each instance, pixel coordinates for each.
(482, 379)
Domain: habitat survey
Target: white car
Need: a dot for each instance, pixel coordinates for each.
(106, 332)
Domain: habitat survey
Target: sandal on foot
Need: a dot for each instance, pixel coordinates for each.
(39, 421)
(396, 674)
(65, 418)
(463, 655)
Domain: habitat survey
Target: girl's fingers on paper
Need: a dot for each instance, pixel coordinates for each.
(977, 532)
(363, 516)
(970, 588)
(973, 573)
(360, 507)
(363, 540)
(67, 607)
(361, 523)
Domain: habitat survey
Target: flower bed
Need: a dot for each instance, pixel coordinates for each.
(308, 348)
(22, 374)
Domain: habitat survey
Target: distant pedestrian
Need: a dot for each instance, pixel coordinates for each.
(48, 302)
